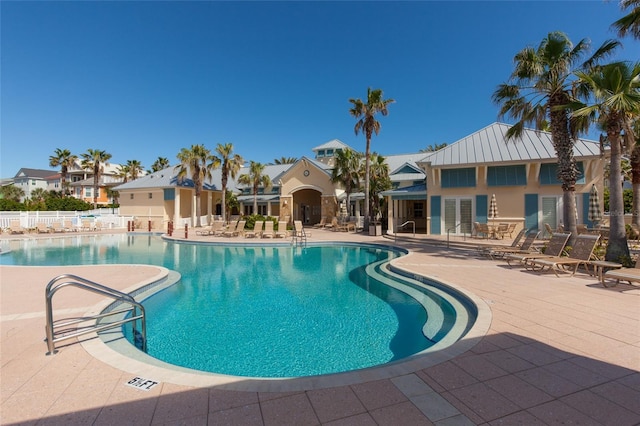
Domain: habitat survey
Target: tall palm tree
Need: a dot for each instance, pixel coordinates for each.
(615, 91)
(538, 93)
(65, 159)
(629, 24)
(94, 160)
(365, 113)
(255, 178)
(230, 166)
(135, 169)
(161, 163)
(346, 171)
(434, 148)
(196, 163)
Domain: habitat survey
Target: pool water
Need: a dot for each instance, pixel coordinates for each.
(261, 311)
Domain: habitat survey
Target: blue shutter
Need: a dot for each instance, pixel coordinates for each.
(436, 209)
(169, 194)
(482, 208)
(531, 211)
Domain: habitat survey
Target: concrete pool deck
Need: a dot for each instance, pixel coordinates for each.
(557, 351)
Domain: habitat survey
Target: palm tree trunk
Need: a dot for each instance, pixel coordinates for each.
(617, 246)
(367, 172)
(198, 209)
(635, 181)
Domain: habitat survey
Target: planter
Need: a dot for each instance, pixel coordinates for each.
(375, 229)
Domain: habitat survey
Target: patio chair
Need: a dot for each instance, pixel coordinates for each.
(214, 229)
(257, 230)
(554, 248)
(69, 227)
(501, 230)
(510, 229)
(548, 230)
(268, 230)
(581, 228)
(580, 254)
(481, 230)
(525, 247)
(282, 230)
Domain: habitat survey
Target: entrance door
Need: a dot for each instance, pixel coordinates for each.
(458, 214)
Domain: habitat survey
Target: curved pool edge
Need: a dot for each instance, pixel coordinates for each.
(120, 354)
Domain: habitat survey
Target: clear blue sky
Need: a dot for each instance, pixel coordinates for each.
(145, 79)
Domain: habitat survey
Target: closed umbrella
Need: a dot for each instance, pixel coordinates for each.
(594, 206)
(493, 207)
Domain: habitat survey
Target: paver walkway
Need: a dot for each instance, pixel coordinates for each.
(558, 351)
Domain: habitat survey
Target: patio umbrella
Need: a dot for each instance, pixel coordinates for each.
(493, 207)
(594, 205)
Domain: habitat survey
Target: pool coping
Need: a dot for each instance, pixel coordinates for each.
(122, 355)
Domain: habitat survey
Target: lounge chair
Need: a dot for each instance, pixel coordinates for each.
(554, 248)
(214, 229)
(331, 222)
(268, 230)
(257, 230)
(631, 275)
(68, 226)
(282, 230)
(525, 247)
(231, 230)
(57, 227)
(42, 228)
(15, 227)
(485, 250)
(548, 230)
(580, 254)
(321, 224)
(86, 225)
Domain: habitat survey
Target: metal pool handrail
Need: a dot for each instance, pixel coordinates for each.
(55, 334)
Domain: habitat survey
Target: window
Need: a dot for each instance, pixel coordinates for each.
(418, 210)
(507, 175)
(329, 152)
(549, 173)
(150, 195)
(457, 178)
(320, 153)
(33, 182)
(88, 192)
(131, 196)
(262, 210)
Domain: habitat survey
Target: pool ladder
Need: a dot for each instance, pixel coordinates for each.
(68, 328)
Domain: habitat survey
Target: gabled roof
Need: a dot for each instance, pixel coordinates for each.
(34, 173)
(167, 178)
(414, 192)
(332, 144)
(489, 145)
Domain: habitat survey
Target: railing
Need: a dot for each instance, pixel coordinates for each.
(403, 225)
(61, 330)
(452, 229)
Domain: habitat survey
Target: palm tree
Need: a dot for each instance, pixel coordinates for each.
(11, 192)
(615, 90)
(255, 179)
(231, 164)
(94, 160)
(197, 164)
(434, 148)
(365, 114)
(123, 172)
(346, 171)
(380, 181)
(285, 160)
(160, 164)
(629, 24)
(539, 92)
(135, 169)
(65, 159)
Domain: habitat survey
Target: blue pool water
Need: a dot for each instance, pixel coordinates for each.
(265, 311)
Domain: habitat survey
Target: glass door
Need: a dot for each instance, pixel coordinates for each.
(458, 214)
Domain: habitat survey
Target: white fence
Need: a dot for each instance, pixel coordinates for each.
(108, 218)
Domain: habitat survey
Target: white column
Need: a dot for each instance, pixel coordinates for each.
(176, 207)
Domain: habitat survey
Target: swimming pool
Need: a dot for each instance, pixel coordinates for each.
(259, 311)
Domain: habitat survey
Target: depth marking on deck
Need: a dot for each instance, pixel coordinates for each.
(142, 383)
